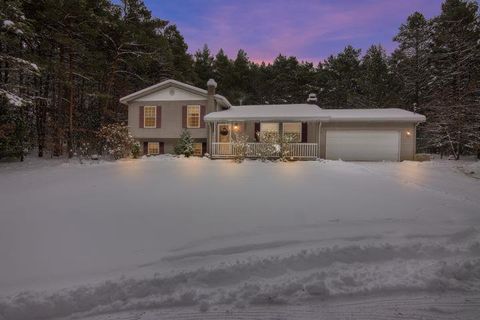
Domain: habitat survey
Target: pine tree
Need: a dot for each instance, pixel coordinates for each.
(241, 76)
(222, 73)
(455, 81)
(203, 66)
(343, 75)
(376, 78)
(410, 60)
(17, 72)
(185, 144)
(182, 61)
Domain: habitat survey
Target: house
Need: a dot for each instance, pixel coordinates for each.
(158, 114)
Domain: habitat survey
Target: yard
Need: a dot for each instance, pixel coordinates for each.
(163, 237)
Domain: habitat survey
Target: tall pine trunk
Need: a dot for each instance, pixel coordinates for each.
(70, 106)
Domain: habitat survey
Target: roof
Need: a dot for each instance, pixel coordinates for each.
(311, 112)
(269, 112)
(387, 114)
(168, 83)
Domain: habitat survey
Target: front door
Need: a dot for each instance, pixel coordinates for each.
(224, 148)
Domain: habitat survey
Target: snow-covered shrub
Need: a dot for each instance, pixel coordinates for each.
(116, 140)
(185, 144)
(285, 140)
(269, 146)
(240, 146)
(84, 151)
(136, 150)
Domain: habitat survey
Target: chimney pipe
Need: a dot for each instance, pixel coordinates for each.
(312, 98)
(211, 87)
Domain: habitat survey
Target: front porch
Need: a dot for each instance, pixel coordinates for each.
(298, 151)
(222, 143)
(296, 131)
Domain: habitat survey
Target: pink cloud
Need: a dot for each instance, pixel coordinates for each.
(265, 29)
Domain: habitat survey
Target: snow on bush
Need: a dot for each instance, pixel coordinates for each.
(240, 146)
(12, 98)
(185, 144)
(116, 140)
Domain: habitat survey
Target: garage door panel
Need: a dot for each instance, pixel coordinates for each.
(363, 145)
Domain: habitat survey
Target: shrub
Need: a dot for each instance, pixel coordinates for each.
(116, 140)
(240, 146)
(185, 144)
(284, 142)
(269, 146)
(136, 150)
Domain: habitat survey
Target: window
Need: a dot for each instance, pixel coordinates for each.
(269, 126)
(294, 128)
(197, 149)
(153, 148)
(193, 116)
(149, 117)
(272, 128)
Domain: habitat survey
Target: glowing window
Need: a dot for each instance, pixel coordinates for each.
(197, 149)
(293, 128)
(150, 116)
(269, 126)
(193, 116)
(153, 148)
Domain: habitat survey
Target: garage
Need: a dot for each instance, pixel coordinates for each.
(363, 145)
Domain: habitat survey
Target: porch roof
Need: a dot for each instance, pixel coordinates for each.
(269, 112)
(310, 112)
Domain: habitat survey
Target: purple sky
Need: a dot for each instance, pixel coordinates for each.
(308, 29)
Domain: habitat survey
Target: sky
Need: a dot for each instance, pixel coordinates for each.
(311, 30)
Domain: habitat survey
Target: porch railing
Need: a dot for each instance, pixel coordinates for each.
(296, 150)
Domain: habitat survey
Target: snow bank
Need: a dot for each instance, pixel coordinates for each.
(201, 233)
(325, 273)
(472, 169)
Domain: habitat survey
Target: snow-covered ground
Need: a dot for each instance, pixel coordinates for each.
(163, 238)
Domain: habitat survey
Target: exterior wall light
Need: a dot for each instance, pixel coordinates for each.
(409, 133)
(235, 126)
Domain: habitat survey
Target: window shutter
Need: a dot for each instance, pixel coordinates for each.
(184, 116)
(159, 116)
(145, 147)
(257, 129)
(204, 148)
(202, 114)
(141, 117)
(162, 147)
(304, 131)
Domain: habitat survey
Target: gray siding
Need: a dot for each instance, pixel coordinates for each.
(171, 121)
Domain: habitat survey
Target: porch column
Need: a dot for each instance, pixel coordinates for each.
(209, 138)
(319, 137)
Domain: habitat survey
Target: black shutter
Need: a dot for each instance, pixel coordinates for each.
(145, 147)
(304, 132)
(257, 129)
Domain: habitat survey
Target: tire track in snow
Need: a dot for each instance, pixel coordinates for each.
(296, 279)
(418, 306)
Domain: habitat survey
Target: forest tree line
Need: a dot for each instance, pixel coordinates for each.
(65, 63)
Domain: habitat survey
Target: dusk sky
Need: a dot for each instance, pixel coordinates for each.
(308, 29)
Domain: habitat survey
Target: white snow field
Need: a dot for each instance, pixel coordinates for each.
(172, 238)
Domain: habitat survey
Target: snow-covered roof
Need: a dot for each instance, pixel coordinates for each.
(269, 112)
(310, 112)
(168, 83)
(388, 114)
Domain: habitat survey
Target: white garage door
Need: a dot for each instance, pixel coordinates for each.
(363, 145)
